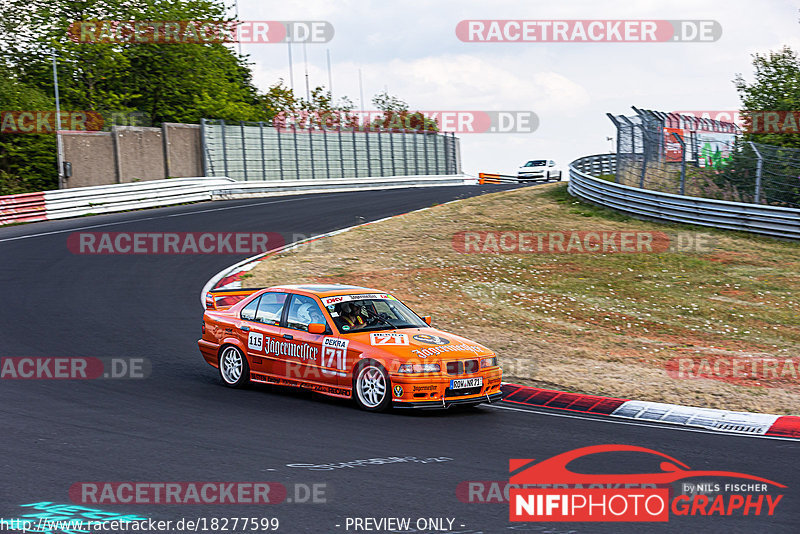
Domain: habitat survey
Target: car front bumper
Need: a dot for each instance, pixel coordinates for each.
(414, 391)
(448, 402)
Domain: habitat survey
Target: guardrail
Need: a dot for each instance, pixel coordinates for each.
(80, 201)
(240, 189)
(27, 207)
(65, 203)
(773, 221)
(488, 178)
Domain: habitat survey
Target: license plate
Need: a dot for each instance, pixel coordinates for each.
(461, 383)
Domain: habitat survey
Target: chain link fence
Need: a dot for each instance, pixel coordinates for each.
(704, 158)
(259, 151)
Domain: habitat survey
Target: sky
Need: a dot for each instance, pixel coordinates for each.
(411, 49)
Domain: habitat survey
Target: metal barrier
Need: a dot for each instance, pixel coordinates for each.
(487, 178)
(27, 207)
(65, 203)
(258, 151)
(765, 220)
(239, 189)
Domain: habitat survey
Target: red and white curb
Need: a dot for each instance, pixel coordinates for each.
(785, 426)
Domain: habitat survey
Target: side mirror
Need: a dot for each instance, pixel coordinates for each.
(317, 328)
(427, 320)
(552, 164)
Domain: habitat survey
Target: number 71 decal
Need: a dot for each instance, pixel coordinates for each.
(334, 356)
(388, 338)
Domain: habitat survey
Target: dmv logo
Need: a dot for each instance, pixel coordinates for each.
(574, 496)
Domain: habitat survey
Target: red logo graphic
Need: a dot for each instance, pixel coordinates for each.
(579, 503)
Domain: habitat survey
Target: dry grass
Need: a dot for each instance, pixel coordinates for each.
(596, 323)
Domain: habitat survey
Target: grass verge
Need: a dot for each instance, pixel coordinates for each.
(606, 324)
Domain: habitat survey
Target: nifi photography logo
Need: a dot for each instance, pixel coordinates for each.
(549, 491)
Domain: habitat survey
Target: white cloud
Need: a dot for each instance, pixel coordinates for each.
(410, 48)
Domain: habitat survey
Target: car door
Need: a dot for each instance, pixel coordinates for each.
(261, 326)
(306, 359)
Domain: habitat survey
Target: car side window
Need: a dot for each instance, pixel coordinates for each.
(270, 308)
(303, 311)
(249, 311)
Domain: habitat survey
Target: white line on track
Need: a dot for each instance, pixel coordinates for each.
(665, 426)
(146, 218)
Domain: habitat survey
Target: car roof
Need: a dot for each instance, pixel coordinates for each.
(326, 290)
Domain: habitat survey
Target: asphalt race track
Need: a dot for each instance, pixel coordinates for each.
(180, 424)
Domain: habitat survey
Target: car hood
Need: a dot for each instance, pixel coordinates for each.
(420, 344)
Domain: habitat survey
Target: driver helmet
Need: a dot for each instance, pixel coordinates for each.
(306, 313)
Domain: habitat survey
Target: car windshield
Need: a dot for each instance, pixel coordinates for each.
(369, 313)
(536, 163)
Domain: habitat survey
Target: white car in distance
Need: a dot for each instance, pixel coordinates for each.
(538, 169)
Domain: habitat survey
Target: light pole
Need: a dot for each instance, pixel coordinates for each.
(330, 77)
(291, 69)
(59, 144)
(305, 60)
(238, 25)
(361, 89)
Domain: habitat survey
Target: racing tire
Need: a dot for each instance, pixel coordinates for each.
(372, 387)
(233, 367)
(559, 176)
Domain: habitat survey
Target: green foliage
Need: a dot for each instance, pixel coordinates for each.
(27, 161)
(385, 102)
(397, 117)
(167, 82)
(776, 87)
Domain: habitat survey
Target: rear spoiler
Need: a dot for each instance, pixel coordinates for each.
(222, 299)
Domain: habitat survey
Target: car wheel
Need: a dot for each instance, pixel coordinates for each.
(559, 176)
(372, 388)
(233, 367)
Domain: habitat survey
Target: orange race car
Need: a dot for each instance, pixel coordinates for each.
(344, 341)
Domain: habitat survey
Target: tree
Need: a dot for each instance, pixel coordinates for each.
(27, 161)
(776, 88)
(397, 117)
(171, 82)
(387, 103)
(166, 82)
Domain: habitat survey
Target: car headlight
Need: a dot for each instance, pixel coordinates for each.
(489, 362)
(419, 368)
